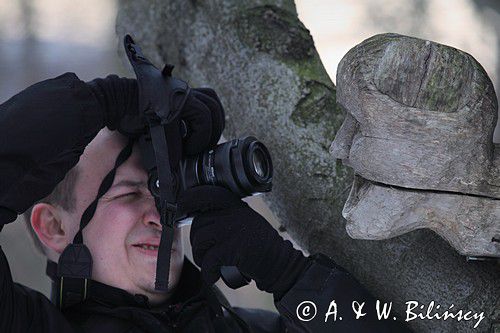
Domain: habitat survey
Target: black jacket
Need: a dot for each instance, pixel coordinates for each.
(192, 308)
(33, 159)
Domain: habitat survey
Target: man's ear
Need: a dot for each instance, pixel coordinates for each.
(47, 223)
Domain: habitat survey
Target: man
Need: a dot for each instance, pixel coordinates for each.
(124, 234)
(55, 129)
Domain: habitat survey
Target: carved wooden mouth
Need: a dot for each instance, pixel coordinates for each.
(468, 222)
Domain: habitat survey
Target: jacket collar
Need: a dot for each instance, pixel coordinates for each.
(189, 289)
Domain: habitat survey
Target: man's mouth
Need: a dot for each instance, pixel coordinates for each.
(150, 250)
(147, 247)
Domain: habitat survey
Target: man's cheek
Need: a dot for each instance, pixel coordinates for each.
(120, 214)
(108, 230)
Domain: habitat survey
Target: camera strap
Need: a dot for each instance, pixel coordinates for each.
(74, 268)
(165, 204)
(156, 103)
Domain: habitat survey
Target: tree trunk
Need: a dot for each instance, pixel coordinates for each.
(262, 62)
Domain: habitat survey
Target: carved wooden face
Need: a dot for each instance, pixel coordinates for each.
(418, 134)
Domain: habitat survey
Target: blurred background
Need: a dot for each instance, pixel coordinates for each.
(40, 39)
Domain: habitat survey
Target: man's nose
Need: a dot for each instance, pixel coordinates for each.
(151, 217)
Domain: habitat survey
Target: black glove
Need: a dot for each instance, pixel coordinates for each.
(204, 118)
(118, 100)
(227, 232)
(202, 113)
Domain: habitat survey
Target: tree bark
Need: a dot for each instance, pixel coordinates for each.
(262, 62)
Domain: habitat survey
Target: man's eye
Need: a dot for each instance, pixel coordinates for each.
(127, 195)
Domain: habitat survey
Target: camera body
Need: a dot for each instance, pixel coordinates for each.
(242, 165)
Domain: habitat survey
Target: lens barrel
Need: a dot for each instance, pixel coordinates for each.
(242, 165)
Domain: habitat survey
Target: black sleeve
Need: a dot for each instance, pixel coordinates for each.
(321, 283)
(43, 131)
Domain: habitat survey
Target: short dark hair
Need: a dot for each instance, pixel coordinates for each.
(63, 196)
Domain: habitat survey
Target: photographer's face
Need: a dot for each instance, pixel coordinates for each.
(124, 233)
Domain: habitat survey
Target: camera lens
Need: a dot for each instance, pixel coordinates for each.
(242, 165)
(259, 163)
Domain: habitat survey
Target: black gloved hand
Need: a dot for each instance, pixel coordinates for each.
(203, 119)
(227, 232)
(202, 113)
(118, 100)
